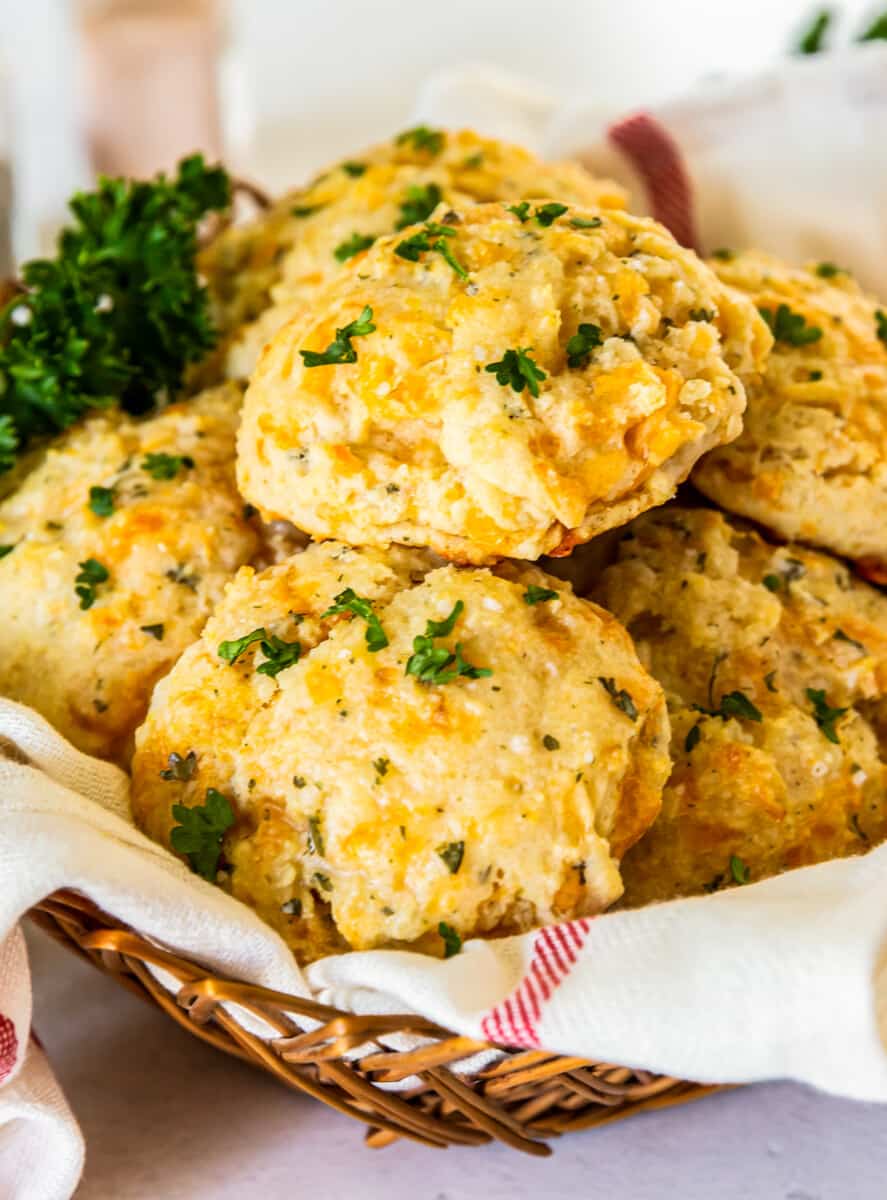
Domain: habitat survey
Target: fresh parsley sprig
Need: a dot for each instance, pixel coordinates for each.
(423, 139)
(101, 501)
(359, 606)
(517, 370)
(538, 595)
(117, 314)
(579, 347)
(166, 466)
(418, 243)
(419, 203)
(340, 349)
(451, 940)
(278, 654)
(200, 831)
(91, 574)
(353, 245)
(824, 715)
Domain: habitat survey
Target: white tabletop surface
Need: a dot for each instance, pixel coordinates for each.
(168, 1118)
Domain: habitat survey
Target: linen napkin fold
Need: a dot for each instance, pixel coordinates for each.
(786, 978)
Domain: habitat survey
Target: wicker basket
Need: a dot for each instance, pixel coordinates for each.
(525, 1098)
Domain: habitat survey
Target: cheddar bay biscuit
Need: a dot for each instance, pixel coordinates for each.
(404, 744)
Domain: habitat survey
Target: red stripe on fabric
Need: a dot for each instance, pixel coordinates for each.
(657, 159)
(564, 946)
(543, 980)
(548, 956)
(575, 933)
(561, 962)
(532, 999)
(526, 1027)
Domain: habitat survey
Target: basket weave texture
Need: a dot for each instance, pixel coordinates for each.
(525, 1098)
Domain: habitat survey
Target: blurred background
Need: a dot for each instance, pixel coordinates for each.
(279, 87)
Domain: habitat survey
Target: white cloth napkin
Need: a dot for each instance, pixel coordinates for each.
(782, 979)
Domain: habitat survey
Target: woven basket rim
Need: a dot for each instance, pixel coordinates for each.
(523, 1098)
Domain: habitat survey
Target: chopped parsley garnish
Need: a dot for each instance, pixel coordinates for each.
(739, 870)
(517, 370)
(452, 854)
(620, 697)
(547, 214)
(813, 39)
(691, 741)
(824, 715)
(101, 501)
(154, 631)
(179, 769)
(200, 831)
(579, 347)
(876, 32)
(537, 595)
(117, 314)
(550, 742)
(92, 573)
(586, 222)
(278, 654)
(772, 582)
(7, 549)
(828, 270)
(790, 327)
(380, 766)
(451, 940)
(881, 326)
(418, 243)
(353, 245)
(166, 466)
(733, 704)
(840, 636)
(436, 664)
(340, 349)
(349, 602)
(354, 169)
(420, 202)
(422, 138)
(521, 211)
(305, 210)
(723, 254)
(315, 837)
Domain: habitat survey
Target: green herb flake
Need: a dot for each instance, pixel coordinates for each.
(315, 836)
(547, 214)
(179, 769)
(824, 715)
(154, 631)
(737, 704)
(354, 169)
(305, 210)
(452, 854)
(200, 831)
(432, 664)
(579, 347)
(828, 270)
(340, 349)
(119, 312)
(538, 595)
(738, 870)
(92, 574)
(380, 766)
(166, 466)
(357, 243)
(876, 32)
(279, 654)
(521, 211)
(101, 501)
(691, 741)
(432, 237)
(586, 222)
(723, 254)
(772, 582)
(7, 549)
(790, 327)
(517, 370)
(299, 781)
(419, 203)
(323, 881)
(550, 742)
(701, 314)
(881, 326)
(768, 681)
(359, 606)
(621, 699)
(423, 139)
(451, 940)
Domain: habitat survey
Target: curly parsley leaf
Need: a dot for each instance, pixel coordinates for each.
(436, 664)
(353, 245)
(423, 139)
(790, 327)
(117, 314)
(620, 697)
(359, 606)
(420, 202)
(451, 940)
(824, 715)
(579, 347)
(537, 595)
(101, 501)
(340, 349)
(739, 870)
(92, 573)
(418, 243)
(200, 830)
(452, 854)
(166, 466)
(517, 370)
